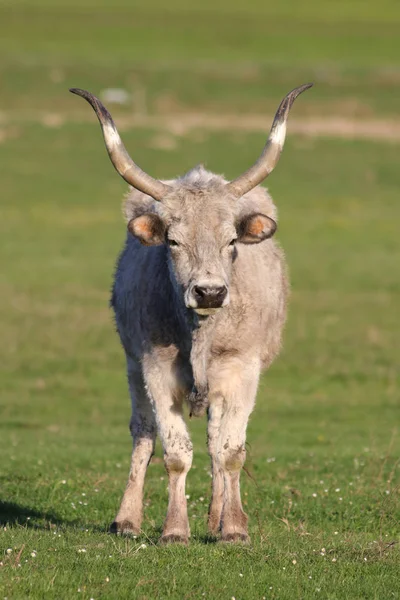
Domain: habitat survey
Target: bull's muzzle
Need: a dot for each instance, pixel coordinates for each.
(207, 299)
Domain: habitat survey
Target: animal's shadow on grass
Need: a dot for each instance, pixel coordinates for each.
(12, 514)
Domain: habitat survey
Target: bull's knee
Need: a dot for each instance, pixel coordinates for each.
(176, 464)
(232, 459)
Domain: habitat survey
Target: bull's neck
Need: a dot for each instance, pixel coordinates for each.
(197, 348)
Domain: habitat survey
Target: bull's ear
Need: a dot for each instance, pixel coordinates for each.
(255, 228)
(149, 229)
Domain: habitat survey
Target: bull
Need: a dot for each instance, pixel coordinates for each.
(199, 297)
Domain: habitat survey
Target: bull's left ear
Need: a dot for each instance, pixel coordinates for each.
(255, 228)
(148, 228)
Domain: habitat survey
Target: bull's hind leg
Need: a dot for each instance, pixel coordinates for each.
(236, 381)
(143, 430)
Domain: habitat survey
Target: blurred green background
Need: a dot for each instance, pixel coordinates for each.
(201, 82)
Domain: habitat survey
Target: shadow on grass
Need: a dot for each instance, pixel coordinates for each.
(16, 514)
(13, 514)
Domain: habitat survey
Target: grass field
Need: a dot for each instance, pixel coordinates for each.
(322, 487)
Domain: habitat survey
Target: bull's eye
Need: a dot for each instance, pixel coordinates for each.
(172, 242)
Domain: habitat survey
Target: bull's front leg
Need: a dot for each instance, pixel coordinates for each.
(213, 431)
(237, 383)
(178, 453)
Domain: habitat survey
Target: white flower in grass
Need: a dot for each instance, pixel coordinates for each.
(9, 550)
(314, 495)
(33, 554)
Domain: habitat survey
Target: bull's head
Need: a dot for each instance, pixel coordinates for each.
(200, 219)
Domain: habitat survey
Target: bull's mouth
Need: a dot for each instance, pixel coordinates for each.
(206, 312)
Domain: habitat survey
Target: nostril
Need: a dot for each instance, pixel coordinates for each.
(199, 291)
(221, 292)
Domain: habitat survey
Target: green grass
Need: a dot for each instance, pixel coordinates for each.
(326, 415)
(205, 56)
(323, 442)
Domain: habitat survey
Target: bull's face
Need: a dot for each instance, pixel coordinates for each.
(202, 230)
(201, 224)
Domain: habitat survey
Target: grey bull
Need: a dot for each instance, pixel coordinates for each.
(200, 296)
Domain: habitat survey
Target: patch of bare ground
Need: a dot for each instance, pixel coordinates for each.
(334, 127)
(180, 124)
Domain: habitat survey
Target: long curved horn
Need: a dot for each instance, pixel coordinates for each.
(272, 150)
(120, 158)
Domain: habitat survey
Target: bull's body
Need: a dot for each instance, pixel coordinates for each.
(166, 346)
(200, 300)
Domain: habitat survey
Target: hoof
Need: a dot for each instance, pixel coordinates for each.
(173, 538)
(124, 528)
(235, 538)
(214, 525)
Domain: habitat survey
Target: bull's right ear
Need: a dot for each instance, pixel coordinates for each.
(149, 229)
